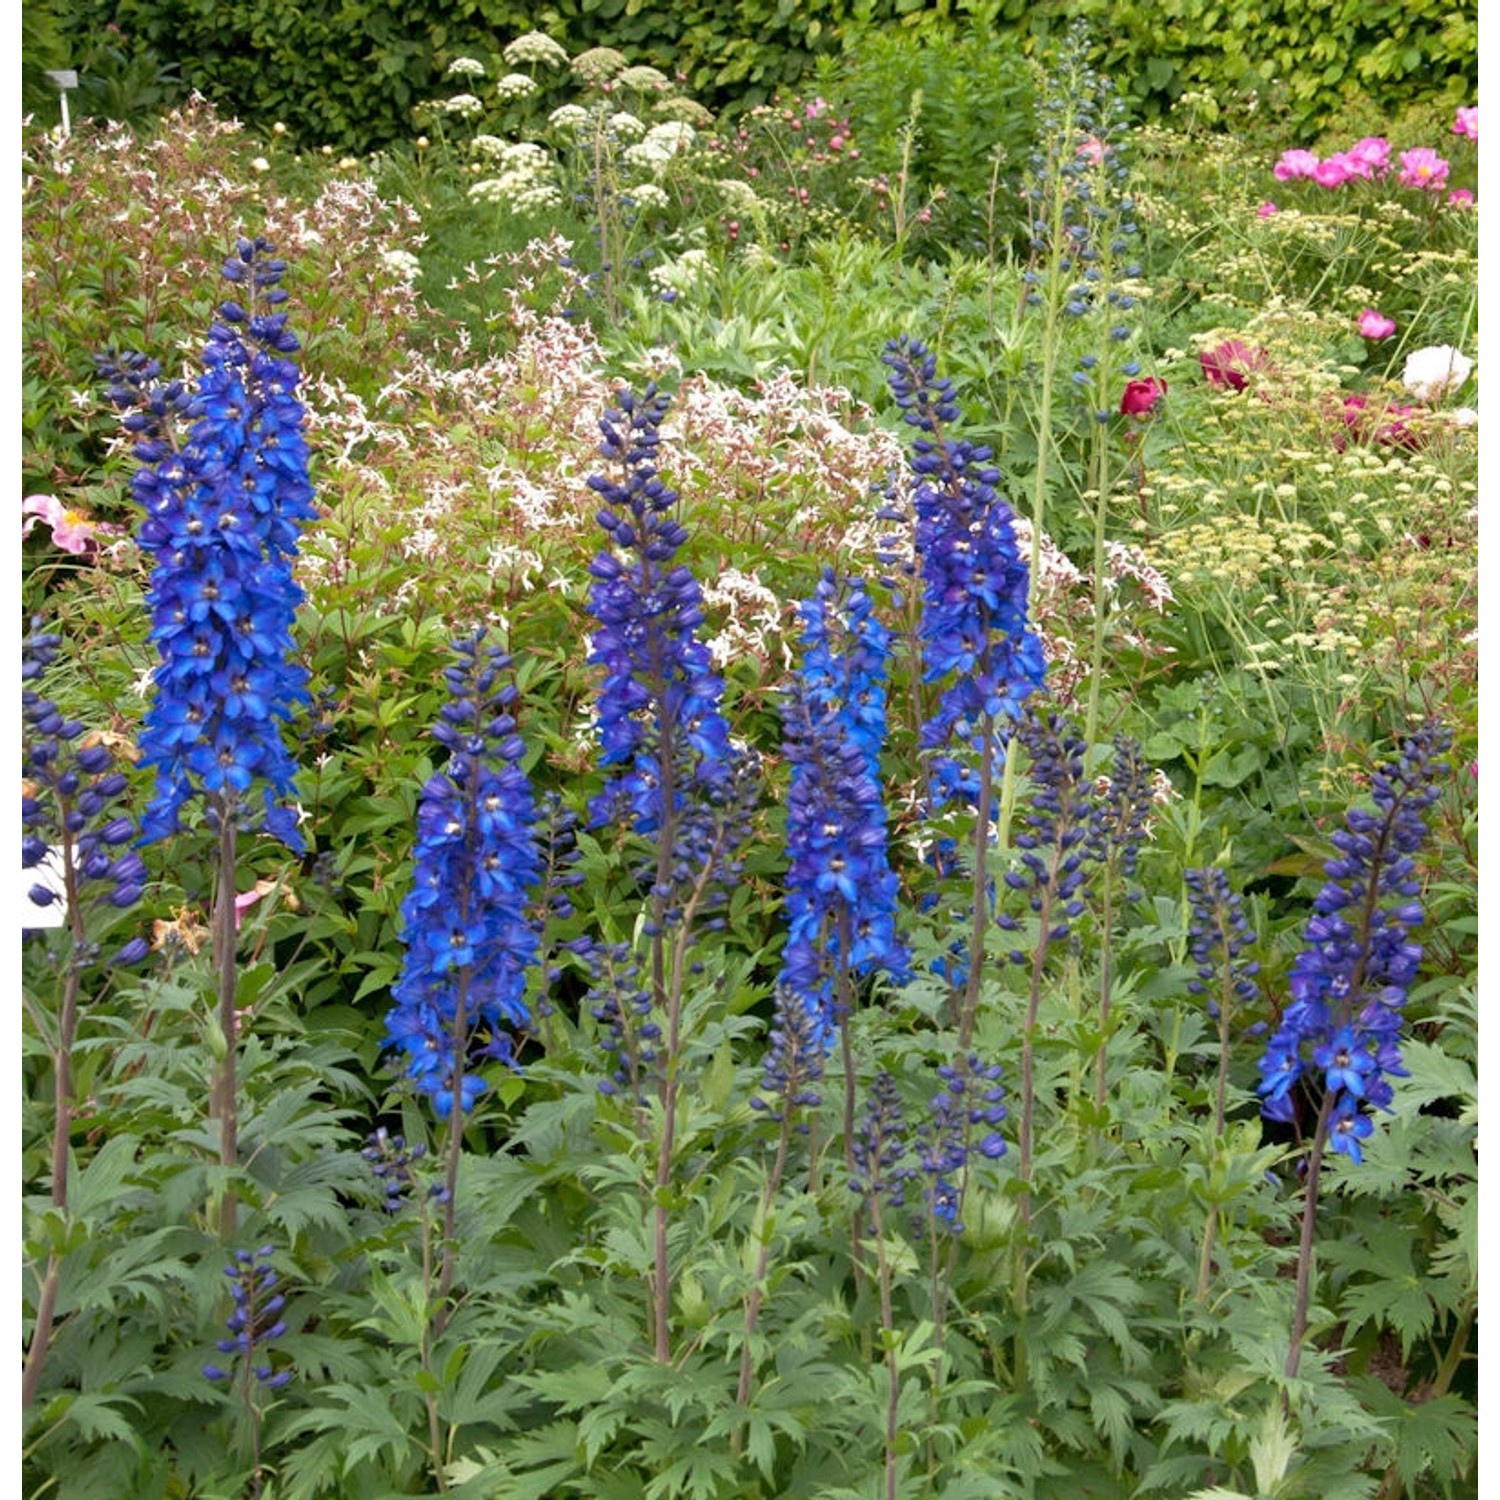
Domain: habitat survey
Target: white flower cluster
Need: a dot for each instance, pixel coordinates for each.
(739, 197)
(661, 144)
(568, 117)
(404, 263)
(488, 145)
(465, 106)
(647, 195)
(536, 47)
(465, 67)
(598, 64)
(644, 80)
(625, 125)
(525, 182)
(685, 274)
(515, 86)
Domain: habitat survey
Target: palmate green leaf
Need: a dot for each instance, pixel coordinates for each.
(1389, 1293)
(537, 1462)
(367, 1416)
(97, 1415)
(1436, 1439)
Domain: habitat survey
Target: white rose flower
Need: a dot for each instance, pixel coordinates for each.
(1434, 372)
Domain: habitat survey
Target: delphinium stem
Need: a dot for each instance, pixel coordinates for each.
(226, 1088)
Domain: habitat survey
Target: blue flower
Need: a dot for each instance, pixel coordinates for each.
(469, 934)
(975, 635)
(1350, 981)
(222, 518)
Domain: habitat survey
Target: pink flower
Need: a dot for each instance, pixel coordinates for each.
(1266, 210)
(1231, 363)
(1386, 425)
(1460, 198)
(1092, 150)
(1466, 123)
(1375, 325)
(1372, 155)
(1334, 172)
(71, 530)
(1142, 397)
(1294, 164)
(1422, 167)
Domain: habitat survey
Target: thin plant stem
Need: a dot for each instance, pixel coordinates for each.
(225, 1094)
(1305, 1245)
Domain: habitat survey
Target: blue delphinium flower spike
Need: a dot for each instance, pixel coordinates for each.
(223, 513)
(1342, 1030)
(466, 923)
(256, 1321)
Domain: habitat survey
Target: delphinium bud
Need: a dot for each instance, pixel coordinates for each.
(69, 809)
(621, 1005)
(1218, 936)
(793, 1062)
(1121, 814)
(466, 926)
(968, 1104)
(1341, 1032)
(1056, 852)
(975, 635)
(256, 1321)
(880, 1145)
(391, 1161)
(223, 513)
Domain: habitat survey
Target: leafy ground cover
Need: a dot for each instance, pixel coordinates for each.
(767, 805)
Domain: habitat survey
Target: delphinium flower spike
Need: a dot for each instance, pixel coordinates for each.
(1341, 1034)
(466, 921)
(224, 508)
(976, 637)
(74, 829)
(686, 787)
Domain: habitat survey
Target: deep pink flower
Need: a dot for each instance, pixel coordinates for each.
(1266, 210)
(1091, 149)
(1294, 164)
(1142, 397)
(1466, 123)
(1375, 325)
(1334, 172)
(1385, 424)
(1422, 167)
(71, 530)
(1372, 155)
(1231, 363)
(1460, 198)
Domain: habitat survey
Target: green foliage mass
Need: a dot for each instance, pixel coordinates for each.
(349, 75)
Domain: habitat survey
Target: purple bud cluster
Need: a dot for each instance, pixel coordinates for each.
(974, 632)
(1219, 935)
(256, 1321)
(1350, 981)
(223, 515)
(841, 891)
(69, 803)
(793, 1062)
(391, 1161)
(621, 1005)
(1056, 850)
(1123, 802)
(969, 1102)
(469, 935)
(880, 1145)
(660, 695)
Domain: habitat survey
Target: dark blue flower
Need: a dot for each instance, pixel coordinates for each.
(222, 518)
(467, 925)
(1341, 1031)
(256, 1321)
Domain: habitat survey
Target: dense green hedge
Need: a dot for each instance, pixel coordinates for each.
(347, 73)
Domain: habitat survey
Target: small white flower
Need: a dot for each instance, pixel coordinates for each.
(1434, 372)
(488, 145)
(536, 47)
(1464, 416)
(260, 164)
(647, 195)
(463, 105)
(568, 117)
(465, 67)
(515, 86)
(403, 262)
(623, 123)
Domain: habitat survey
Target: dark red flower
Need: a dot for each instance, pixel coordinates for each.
(1142, 397)
(1231, 363)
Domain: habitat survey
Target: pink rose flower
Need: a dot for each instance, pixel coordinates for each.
(1460, 198)
(1231, 363)
(71, 530)
(1142, 397)
(1294, 164)
(1466, 123)
(1422, 167)
(1266, 210)
(1375, 325)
